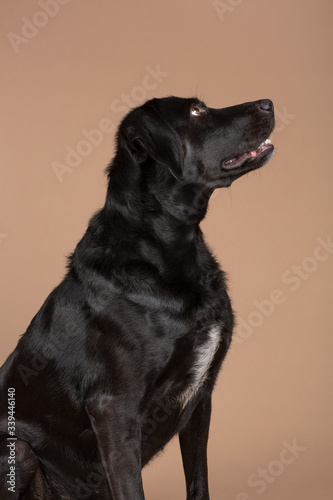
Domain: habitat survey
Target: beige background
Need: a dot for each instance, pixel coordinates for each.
(75, 70)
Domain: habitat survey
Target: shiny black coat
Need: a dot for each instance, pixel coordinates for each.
(119, 359)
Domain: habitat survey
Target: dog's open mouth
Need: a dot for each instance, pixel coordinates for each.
(257, 154)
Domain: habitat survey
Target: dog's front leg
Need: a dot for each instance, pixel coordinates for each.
(118, 435)
(193, 443)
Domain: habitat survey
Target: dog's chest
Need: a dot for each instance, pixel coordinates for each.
(203, 356)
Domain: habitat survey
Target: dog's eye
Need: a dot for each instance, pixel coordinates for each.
(196, 110)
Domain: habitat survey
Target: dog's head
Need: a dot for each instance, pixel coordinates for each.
(181, 145)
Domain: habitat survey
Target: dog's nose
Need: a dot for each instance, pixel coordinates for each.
(266, 105)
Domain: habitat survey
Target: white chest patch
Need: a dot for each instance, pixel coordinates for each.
(204, 357)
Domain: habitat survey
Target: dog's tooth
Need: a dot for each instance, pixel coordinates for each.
(267, 141)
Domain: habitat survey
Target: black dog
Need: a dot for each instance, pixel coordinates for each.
(124, 353)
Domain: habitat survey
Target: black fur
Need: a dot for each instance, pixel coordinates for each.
(99, 373)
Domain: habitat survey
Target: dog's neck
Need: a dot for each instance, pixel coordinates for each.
(161, 214)
(139, 223)
(160, 204)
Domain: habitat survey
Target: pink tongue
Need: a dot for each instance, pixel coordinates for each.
(238, 160)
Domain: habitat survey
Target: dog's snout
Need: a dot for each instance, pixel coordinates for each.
(266, 105)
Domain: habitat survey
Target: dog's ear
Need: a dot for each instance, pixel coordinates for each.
(146, 134)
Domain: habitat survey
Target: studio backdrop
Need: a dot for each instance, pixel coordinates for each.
(70, 70)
